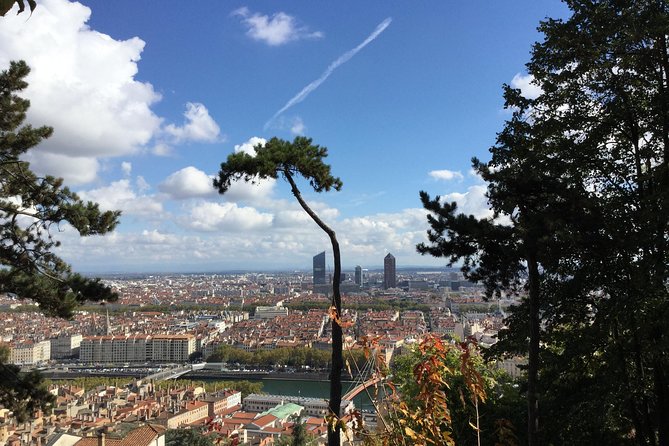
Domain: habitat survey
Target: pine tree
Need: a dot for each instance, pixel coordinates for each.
(279, 158)
(30, 208)
(582, 173)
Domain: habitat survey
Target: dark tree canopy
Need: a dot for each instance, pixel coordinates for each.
(31, 209)
(582, 174)
(279, 157)
(6, 5)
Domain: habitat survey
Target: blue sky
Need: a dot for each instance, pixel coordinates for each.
(147, 98)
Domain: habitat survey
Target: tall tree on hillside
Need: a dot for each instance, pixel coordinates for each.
(605, 77)
(289, 160)
(515, 250)
(599, 134)
(30, 208)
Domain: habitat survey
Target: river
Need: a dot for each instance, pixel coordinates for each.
(310, 388)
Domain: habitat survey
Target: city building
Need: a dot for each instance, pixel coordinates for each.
(263, 312)
(314, 407)
(193, 412)
(29, 352)
(137, 348)
(319, 269)
(389, 274)
(221, 401)
(358, 275)
(65, 346)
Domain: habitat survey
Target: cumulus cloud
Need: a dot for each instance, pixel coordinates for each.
(473, 202)
(75, 169)
(446, 175)
(199, 126)
(82, 83)
(126, 167)
(188, 182)
(526, 85)
(119, 195)
(248, 146)
(208, 216)
(277, 29)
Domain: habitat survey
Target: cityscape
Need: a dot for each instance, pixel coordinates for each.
(162, 323)
(334, 223)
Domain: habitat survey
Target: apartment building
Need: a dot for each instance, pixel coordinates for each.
(193, 412)
(137, 348)
(30, 352)
(66, 346)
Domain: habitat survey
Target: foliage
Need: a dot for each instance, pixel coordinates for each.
(30, 208)
(299, 435)
(186, 437)
(293, 357)
(24, 393)
(299, 158)
(6, 5)
(604, 73)
(91, 382)
(582, 174)
(449, 395)
(245, 387)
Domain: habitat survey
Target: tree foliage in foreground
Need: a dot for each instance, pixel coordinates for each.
(581, 176)
(186, 437)
(446, 394)
(31, 208)
(300, 158)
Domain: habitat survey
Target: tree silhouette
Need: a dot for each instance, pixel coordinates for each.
(280, 158)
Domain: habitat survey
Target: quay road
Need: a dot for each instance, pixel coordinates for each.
(185, 371)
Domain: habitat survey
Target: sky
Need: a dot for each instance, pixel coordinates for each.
(148, 98)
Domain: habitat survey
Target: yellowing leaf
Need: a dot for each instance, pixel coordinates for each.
(410, 432)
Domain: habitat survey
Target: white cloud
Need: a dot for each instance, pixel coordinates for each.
(473, 202)
(75, 169)
(188, 182)
(82, 83)
(248, 146)
(209, 216)
(156, 237)
(120, 196)
(162, 149)
(446, 175)
(298, 127)
(126, 167)
(276, 30)
(199, 126)
(526, 84)
(141, 184)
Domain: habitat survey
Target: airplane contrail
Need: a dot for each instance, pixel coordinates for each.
(334, 65)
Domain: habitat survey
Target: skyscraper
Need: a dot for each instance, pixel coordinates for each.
(358, 275)
(319, 269)
(389, 280)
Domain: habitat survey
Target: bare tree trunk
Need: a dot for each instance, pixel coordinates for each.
(334, 432)
(533, 351)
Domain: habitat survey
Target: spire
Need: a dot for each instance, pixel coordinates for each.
(108, 328)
